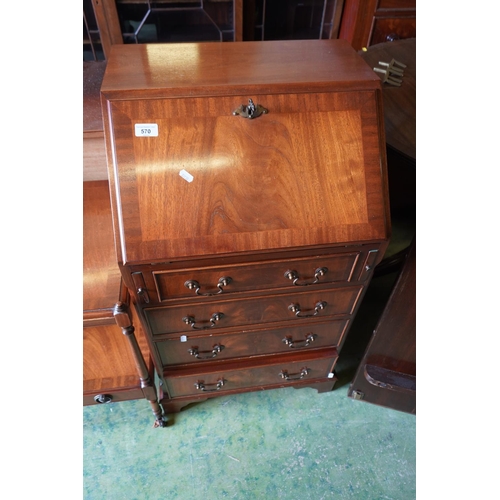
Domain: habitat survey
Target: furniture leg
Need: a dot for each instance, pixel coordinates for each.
(123, 320)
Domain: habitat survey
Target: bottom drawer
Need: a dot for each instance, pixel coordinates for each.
(251, 373)
(112, 396)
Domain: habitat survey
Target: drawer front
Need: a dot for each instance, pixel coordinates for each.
(198, 347)
(112, 396)
(296, 273)
(279, 374)
(212, 315)
(397, 28)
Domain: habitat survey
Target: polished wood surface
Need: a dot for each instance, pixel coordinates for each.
(175, 405)
(116, 362)
(101, 274)
(215, 194)
(252, 373)
(387, 373)
(210, 69)
(108, 363)
(198, 346)
(308, 146)
(123, 318)
(94, 153)
(243, 312)
(262, 276)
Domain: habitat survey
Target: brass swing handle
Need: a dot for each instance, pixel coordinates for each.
(103, 398)
(250, 111)
(292, 343)
(295, 308)
(194, 285)
(284, 374)
(293, 275)
(190, 320)
(203, 387)
(216, 350)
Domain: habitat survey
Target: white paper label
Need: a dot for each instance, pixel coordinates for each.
(184, 338)
(146, 130)
(186, 175)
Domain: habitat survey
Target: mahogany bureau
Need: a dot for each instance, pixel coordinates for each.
(250, 206)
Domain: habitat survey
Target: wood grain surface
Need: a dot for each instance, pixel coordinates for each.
(306, 173)
(188, 69)
(101, 274)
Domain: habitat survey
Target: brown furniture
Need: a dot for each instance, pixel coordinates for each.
(370, 22)
(94, 152)
(400, 132)
(387, 373)
(114, 368)
(250, 207)
(399, 102)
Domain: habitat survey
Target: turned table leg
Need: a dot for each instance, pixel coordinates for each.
(122, 317)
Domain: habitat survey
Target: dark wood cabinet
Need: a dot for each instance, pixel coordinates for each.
(250, 207)
(387, 373)
(366, 23)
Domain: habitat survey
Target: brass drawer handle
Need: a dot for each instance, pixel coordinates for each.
(103, 398)
(250, 111)
(194, 285)
(295, 308)
(293, 275)
(302, 374)
(292, 343)
(189, 320)
(216, 350)
(203, 387)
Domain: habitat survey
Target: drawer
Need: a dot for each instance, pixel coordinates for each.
(396, 28)
(241, 375)
(211, 315)
(112, 395)
(338, 268)
(199, 347)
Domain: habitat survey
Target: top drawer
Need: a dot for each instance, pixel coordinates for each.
(296, 273)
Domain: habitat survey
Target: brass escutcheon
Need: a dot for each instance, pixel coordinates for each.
(250, 111)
